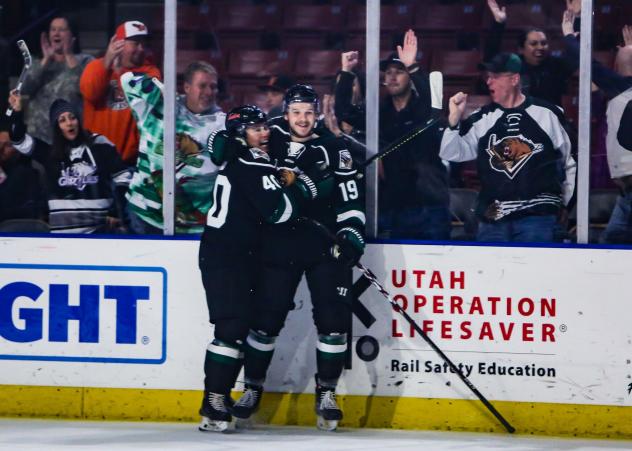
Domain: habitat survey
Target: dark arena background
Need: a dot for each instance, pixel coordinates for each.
(491, 141)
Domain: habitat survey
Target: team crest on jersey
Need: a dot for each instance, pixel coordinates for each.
(295, 150)
(511, 153)
(346, 162)
(259, 154)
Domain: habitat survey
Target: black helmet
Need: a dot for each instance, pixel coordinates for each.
(241, 117)
(300, 93)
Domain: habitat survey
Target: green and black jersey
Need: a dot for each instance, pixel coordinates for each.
(246, 195)
(344, 207)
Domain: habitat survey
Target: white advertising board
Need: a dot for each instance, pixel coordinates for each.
(524, 324)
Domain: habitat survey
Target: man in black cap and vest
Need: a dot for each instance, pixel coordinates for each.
(414, 196)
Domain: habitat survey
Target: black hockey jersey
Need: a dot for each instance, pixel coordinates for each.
(345, 206)
(247, 194)
(523, 158)
(79, 182)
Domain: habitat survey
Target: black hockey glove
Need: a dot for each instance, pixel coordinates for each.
(349, 246)
(224, 148)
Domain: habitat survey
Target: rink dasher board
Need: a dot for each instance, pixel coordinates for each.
(543, 326)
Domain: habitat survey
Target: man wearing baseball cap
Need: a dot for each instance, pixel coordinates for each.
(523, 157)
(504, 79)
(275, 90)
(414, 187)
(105, 109)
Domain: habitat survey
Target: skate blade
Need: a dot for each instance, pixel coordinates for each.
(208, 425)
(326, 425)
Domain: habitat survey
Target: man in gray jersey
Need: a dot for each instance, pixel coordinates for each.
(523, 157)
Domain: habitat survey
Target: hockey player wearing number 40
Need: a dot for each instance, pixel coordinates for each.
(292, 250)
(247, 194)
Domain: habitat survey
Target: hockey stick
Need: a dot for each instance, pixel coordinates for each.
(371, 277)
(26, 56)
(407, 138)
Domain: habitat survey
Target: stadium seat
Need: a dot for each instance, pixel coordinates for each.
(244, 18)
(313, 18)
(317, 63)
(466, 16)
(605, 57)
(533, 14)
(600, 205)
(464, 221)
(440, 42)
(252, 97)
(313, 27)
(607, 17)
(322, 87)
(457, 63)
(189, 18)
(259, 63)
(555, 11)
(570, 104)
(392, 17)
(357, 41)
(185, 57)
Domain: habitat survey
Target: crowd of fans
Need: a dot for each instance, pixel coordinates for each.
(83, 150)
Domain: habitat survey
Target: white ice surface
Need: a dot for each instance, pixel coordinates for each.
(44, 435)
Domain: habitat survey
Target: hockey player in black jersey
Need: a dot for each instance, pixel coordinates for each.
(246, 195)
(296, 249)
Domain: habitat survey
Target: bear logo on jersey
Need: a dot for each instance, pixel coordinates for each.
(511, 153)
(346, 162)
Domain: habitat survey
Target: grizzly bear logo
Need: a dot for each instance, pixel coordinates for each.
(511, 153)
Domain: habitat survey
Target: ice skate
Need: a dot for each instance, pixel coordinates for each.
(214, 411)
(328, 414)
(246, 405)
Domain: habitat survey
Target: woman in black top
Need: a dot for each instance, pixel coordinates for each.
(81, 170)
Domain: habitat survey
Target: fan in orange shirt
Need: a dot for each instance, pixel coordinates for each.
(105, 110)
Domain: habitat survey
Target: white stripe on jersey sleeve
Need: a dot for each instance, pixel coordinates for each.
(253, 163)
(287, 212)
(455, 147)
(277, 127)
(351, 214)
(26, 146)
(548, 121)
(79, 204)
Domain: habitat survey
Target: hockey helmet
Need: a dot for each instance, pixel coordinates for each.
(241, 117)
(300, 94)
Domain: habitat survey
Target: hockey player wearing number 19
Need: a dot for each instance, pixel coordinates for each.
(295, 249)
(246, 194)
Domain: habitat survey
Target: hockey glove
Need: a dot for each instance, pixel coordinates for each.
(288, 169)
(315, 183)
(349, 246)
(224, 148)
